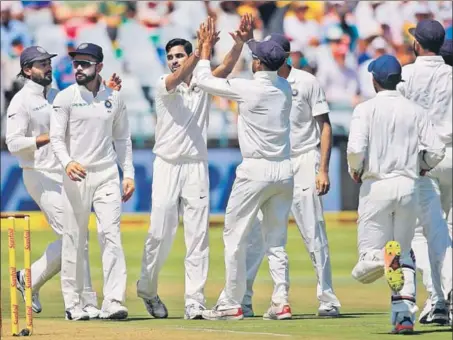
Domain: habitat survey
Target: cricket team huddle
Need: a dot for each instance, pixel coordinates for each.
(69, 144)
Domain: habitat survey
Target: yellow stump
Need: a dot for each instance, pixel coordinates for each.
(12, 276)
(27, 265)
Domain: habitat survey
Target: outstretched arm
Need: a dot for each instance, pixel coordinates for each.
(240, 37)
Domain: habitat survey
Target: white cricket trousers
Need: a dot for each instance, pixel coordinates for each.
(386, 213)
(179, 188)
(101, 190)
(259, 185)
(45, 189)
(431, 241)
(308, 212)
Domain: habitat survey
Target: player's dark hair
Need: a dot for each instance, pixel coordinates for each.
(179, 42)
(22, 74)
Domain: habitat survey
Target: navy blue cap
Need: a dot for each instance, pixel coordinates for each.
(281, 40)
(386, 70)
(89, 49)
(269, 53)
(447, 48)
(429, 33)
(32, 54)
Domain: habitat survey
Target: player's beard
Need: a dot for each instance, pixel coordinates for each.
(415, 49)
(42, 79)
(86, 78)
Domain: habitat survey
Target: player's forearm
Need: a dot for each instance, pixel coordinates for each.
(230, 60)
(123, 148)
(58, 123)
(326, 146)
(213, 85)
(17, 143)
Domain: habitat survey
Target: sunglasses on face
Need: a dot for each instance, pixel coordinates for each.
(83, 63)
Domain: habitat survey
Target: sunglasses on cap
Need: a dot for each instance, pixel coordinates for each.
(83, 63)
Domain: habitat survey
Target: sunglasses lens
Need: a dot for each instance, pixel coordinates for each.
(83, 64)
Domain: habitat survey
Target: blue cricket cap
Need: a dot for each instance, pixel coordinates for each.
(32, 54)
(281, 40)
(89, 49)
(447, 48)
(429, 33)
(386, 70)
(269, 53)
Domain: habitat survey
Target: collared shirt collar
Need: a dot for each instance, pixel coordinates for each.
(430, 59)
(268, 75)
(84, 91)
(388, 93)
(34, 87)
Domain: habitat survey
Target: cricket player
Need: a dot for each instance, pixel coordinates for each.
(428, 82)
(311, 143)
(180, 175)
(386, 135)
(88, 119)
(264, 179)
(27, 138)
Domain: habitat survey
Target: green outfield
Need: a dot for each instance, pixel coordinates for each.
(365, 308)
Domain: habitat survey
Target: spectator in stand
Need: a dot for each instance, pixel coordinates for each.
(298, 22)
(63, 70)
(12, 29)
(378, 48)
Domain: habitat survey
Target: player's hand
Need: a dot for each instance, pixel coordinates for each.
(246, 27)
(75, 171)
(114, 82)
(208, 34)
(322, 183)
(128, 189)
(356, 177)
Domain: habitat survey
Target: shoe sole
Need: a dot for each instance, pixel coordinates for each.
(20, 287)
(224, 318)
(196, 317)
(285, 316)
(404, 331)
(83, 318)
(120, 315)
(439, 320)
(329, 314)
(393, 270)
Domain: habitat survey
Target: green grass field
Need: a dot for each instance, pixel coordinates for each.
(364, 312)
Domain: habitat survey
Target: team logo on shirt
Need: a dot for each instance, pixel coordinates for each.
(108, 104)
(295, 92)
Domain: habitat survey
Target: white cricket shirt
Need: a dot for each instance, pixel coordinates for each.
(428, 82)
(182, 121)
(83, 128)
(309, 101)
(264, 109)
(28, 116)
(385, 137)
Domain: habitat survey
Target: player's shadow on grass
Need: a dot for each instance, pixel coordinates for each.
(144, 318)
(316, 317)
(424, 331)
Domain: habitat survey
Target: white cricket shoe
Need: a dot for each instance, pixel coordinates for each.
(223, 314)
(328, 311)
(156, 308)
(247, 310)
(20, 284)
(424, 315)
(278, 312)
(76, 314)
(113, 310)
(92, 311)
(194, 311)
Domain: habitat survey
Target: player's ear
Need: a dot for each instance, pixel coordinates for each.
(99, 67)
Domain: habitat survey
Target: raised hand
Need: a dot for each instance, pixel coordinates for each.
(207, 33)
(114, 82)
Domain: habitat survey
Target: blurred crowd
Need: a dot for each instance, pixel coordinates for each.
(335, 40)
